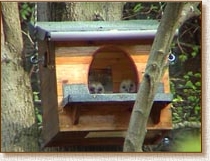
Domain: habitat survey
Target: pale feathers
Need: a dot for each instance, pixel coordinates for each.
(96, 88)
(127, 86)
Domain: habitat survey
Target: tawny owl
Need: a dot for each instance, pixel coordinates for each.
(127, 86)
(96, 88)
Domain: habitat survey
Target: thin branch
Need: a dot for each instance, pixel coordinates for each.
(28, 36)
(143, 13)
(189, 45)
(180, 47)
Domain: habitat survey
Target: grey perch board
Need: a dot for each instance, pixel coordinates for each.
(78, 93)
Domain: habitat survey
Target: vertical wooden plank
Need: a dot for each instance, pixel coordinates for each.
(166, 117)
(75, 114)
(166, 81)
(48, 94)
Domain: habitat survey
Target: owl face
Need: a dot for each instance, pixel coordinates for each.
(96, 88)
(127, 86)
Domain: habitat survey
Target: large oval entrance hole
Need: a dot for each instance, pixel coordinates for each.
(111, 66)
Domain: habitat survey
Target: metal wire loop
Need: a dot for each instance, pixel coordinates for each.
(34, 59)
(171, 57)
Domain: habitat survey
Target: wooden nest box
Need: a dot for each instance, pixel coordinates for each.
(82, 69)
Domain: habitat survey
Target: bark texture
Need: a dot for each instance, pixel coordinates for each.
(18, 127)
(175, 14)
(87, 11)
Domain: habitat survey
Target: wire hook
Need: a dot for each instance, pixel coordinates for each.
(34, 59)
(171, 57)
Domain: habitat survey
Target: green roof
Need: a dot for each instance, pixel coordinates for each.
(92, 30)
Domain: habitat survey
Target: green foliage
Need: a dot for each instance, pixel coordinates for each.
(188, 50)
(190, 144)
(38, 116)
(183, 57)
(37, 111)
(187, 98)
(187, 91)
(138, 8)
(195, 50)
(35, 95)
(26, 10)
(186, 139)
(143, 10)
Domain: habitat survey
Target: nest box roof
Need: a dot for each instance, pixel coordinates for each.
(96, 30)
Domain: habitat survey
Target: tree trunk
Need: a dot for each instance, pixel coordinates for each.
(43, 11)
(18, 126)
(175, 14)
(87, 11)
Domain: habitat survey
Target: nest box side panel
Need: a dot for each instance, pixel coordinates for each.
(48, 92)
(166, 81)
(165, 117)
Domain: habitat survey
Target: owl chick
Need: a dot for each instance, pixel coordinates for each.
(127, 86)
(96, 88)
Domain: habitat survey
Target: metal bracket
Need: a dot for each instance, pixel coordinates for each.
(47, 58)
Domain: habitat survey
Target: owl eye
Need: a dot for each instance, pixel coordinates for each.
(123, 87)
(100, 89)
(91, 89)
(131, 85)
